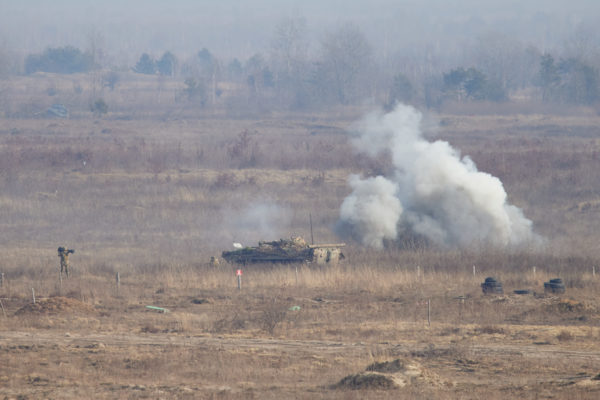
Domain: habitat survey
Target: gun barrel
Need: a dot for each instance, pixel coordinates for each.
(320, 246)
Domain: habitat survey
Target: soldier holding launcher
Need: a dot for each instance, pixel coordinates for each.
(63, 254)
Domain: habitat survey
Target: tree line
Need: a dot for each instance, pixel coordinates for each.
(344, 69)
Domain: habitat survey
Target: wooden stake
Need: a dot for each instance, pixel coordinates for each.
(593, 271)
(473, 270)
(429, 312)
(312, 239)
(118, 278)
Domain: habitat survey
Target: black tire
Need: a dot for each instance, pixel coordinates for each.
(522, 291)
(492, 287)
(557, 288)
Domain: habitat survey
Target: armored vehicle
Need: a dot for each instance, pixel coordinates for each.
(294, 250)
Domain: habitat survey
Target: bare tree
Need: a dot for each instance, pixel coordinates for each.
(584, 44)
(346, 56)
(289, 61)
(289, 48)
(548, 77)
(258, 75)
(4, 62)
(95, 50)
(500, 58)
(206, 70)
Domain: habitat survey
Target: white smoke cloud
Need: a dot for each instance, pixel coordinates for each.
(259, 220)
(432, 192)
(373, 210)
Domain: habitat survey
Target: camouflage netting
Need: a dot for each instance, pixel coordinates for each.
(295, 243)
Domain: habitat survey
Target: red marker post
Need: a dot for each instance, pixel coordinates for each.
(239, 278)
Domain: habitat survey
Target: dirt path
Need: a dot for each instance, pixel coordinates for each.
(44, 363)
(33, 338)
(280, 345)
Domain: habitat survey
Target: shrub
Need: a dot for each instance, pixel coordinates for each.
(564, 336)
(110, 80)
(472, 84)
(195, 90)
(271, 317)
(99, 107)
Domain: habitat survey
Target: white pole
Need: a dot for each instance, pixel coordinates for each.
(33, 295)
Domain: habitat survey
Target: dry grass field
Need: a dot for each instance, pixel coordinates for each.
(157, 186)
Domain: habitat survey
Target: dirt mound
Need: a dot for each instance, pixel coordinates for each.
(388, 375)
(569, 305)
(369, 380)
(55, 305)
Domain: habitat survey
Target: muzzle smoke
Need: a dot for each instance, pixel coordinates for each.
(258, 220)
(432, 192)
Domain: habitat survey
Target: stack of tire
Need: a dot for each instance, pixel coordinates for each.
(554, 286)
(492, 286)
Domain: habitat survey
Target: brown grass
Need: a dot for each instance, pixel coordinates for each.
(377, 321)
(156, 188)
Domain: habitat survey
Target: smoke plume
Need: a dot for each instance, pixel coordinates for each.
(259, 220)
(432, 191)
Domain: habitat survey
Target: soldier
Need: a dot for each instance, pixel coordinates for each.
(64, 259)
(214, 261)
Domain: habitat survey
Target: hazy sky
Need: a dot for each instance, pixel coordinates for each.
(234, 28)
